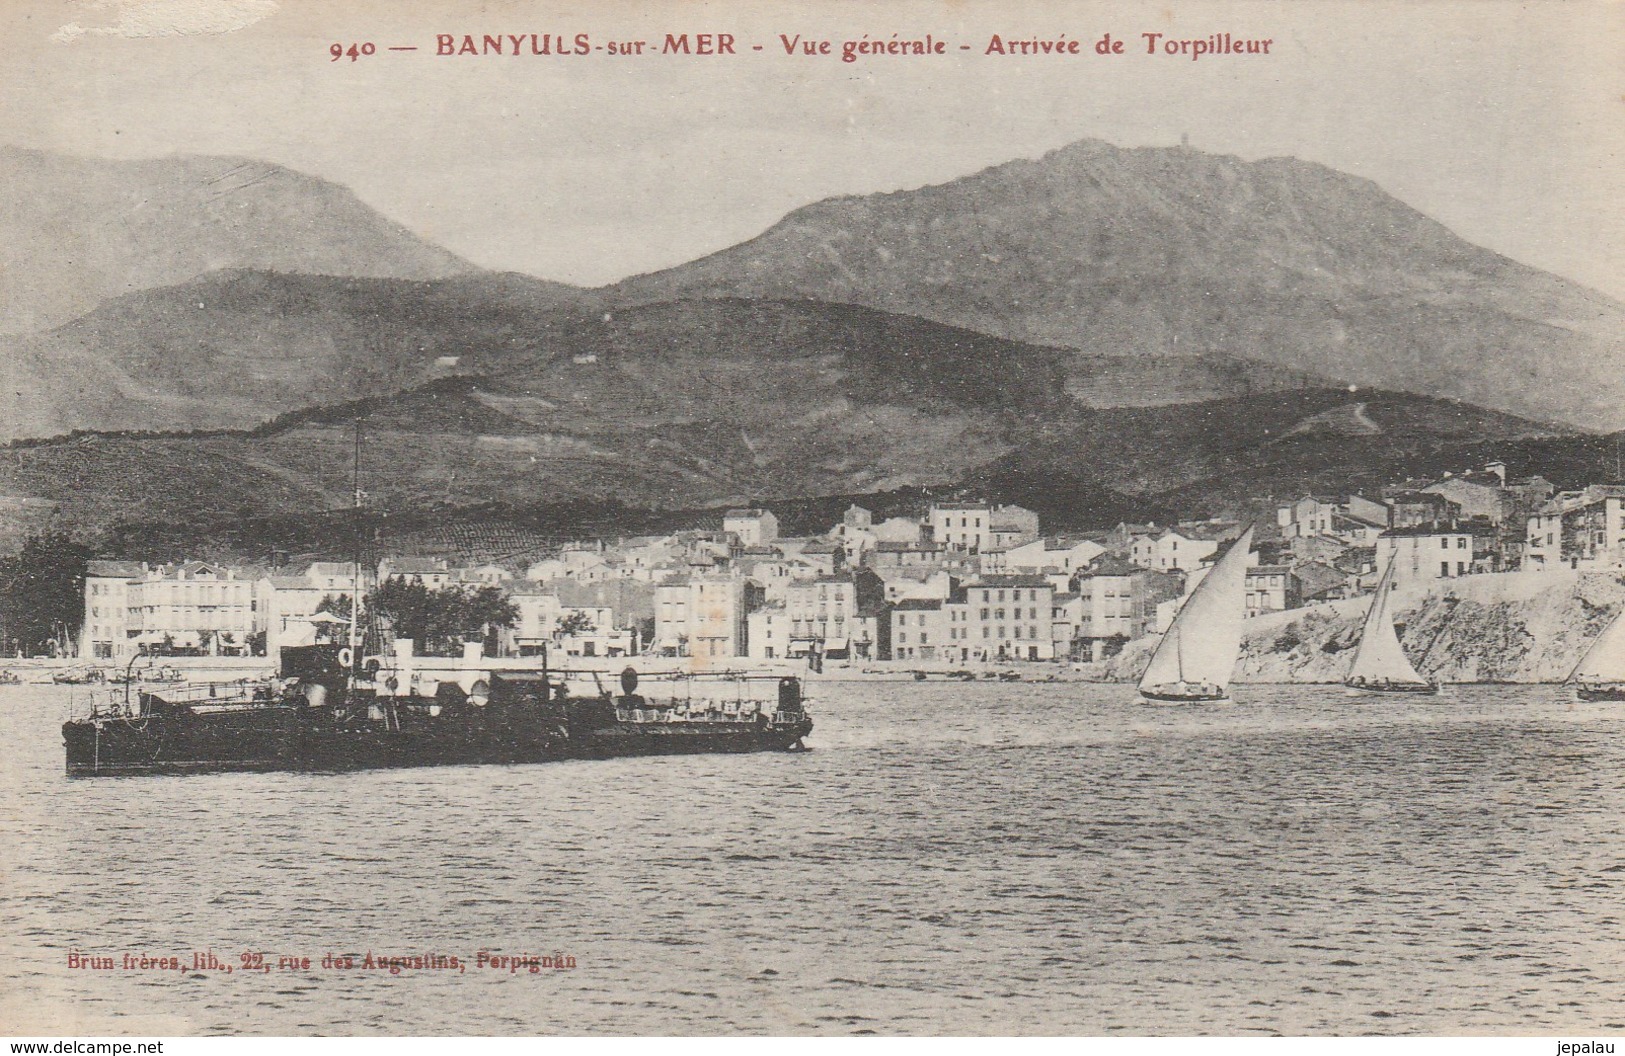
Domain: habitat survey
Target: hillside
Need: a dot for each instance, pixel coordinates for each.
(1173, 251)
(76, 231)
(232, 349)
(1201, 456)
(689, 429)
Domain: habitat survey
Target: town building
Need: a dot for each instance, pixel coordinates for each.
(768, 631)
(1052, 554)
(1003, 618)
(751, 527)
(1117, 602)
(1181, 548)
(1272, 588)
(195, 608)
(107, 630)
(1423, 552)
(920, 630)
(1011, 526)
(966, 526)
(1414, 509)
(1582, 530)
(823, 616)
(433, 573)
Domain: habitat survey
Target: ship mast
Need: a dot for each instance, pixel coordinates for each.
(355, 578)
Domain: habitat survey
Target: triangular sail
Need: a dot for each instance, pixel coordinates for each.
(1380, 657)
(1605, 660)
(1205, 639)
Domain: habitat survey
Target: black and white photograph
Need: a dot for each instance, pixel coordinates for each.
(760, 519)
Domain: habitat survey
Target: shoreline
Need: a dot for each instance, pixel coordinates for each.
(229, 669)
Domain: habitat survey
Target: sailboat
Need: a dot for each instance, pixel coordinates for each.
(1195, 659)
(1600, 674)
(1380, 664)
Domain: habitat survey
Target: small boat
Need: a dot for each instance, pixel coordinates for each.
(1196, 658)
(84, 676)
(1600, 674)
(1380, 664)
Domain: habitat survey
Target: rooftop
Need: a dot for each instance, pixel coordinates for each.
(417, 566)
(1009, 581)
(115, 569)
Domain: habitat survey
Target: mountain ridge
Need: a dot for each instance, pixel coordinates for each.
(1170, 250)
(76, 231)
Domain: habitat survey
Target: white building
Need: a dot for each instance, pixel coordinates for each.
(961, 525)
(768, 632)
(1425, 552)
(1578, 530)
(195, 607)
(751, 527)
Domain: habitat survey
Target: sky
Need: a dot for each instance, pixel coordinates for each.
(1503, 120)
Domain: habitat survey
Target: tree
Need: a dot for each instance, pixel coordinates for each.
(439, 621)
(575, 622)
(333, 605)
(42, 589)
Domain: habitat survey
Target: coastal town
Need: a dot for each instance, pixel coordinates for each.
(963, 582)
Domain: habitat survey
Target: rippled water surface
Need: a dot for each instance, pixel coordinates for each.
(949, 859)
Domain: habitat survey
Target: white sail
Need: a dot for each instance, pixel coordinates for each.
(1605, 660)
(1205, 639)
(1380, 657)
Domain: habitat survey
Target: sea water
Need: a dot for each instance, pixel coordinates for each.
(948, 858)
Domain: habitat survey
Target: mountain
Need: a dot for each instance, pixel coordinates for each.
(1173, 251)
(75, 231)
(233, 349)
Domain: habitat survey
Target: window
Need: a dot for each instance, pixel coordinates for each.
(1461, 568)
(1444, 544)
(1444, 568)
(1461, 543)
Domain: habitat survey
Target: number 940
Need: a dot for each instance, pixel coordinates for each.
(354, 51)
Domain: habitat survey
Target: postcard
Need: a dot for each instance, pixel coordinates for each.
(946, 517)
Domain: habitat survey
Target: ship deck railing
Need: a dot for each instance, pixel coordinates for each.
(675, 714)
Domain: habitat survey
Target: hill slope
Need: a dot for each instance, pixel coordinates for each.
(1172, 251)
(232, 349)
(76, 231)
(687, 431)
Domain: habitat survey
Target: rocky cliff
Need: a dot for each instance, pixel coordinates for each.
(1510, 627)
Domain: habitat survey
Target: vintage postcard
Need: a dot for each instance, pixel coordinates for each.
(765, 518)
